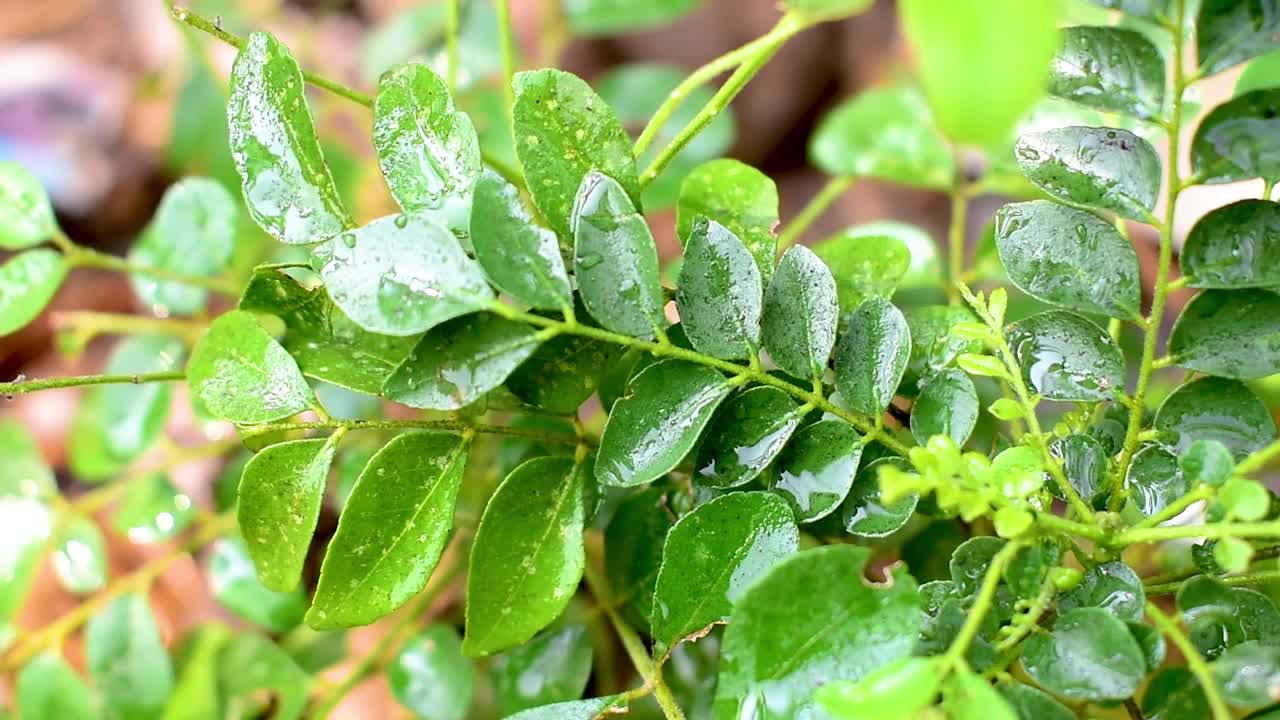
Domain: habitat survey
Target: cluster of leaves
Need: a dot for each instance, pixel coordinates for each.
(811, 413)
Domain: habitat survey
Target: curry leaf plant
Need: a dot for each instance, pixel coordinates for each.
(884, 478)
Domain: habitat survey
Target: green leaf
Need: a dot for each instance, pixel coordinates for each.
(901, 688)
(615, 259)
(153, 510)
(947, 405)
(28, 282)
(872, 356)
(26, 524)
(1030, 703)
(864, 514)
(1229, 32)
(563, 372)
(816, 468)
(1234, 246)
(287, 185)
(402, 275)
(738, 196)
(1229, 333)
(80, 558)
(1089, 655)
(633, 546)
(1109, 68)
(982, 63)
(970, 561)
(1260, 74)
(431, 676)
(1249, 674)
(1220, 616)
(712, 556)
(812, 11)
(521, 258)
(1084, 460)
(620, 17)
(1208, 462)
(1175, 694)
(1245, 499)
(1030, 565)
(26, 218)
(864, 265)
(1234, 554)
(934, 345)
(458, 362)
(575, 710)
(235, 585)
(49, 689)
(401, 508)
(781, 645)
(252, 667)
(800, 314)
(1113, 586)
(127, 660)
(1155, 480)
(1066, 357)
(239, 373)
(1068, 257)
(25, 473)
(652, 428)
(887, 134)
(1215, 409)
(720, 294)
(427, 148)
(280, 496)
(745, 435)
(966, 695)
(553, 667)
(1237, 140)
(1102, 168)
(528, 555)
(563, 131)
(194, 234)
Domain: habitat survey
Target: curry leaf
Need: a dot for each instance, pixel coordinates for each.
(887, 134)
(1237, 139)
(239, 373)
(193, 233)
(127, 660)
(1234, 246)
(816, 468)
(1111, 69)
(737, 196)
(1229, 333)
(1232, 31)
(431, 676)
(872, 356)
(49, 689)
(1215, 409)
(520, 257)
(720, 293)
(745, 435)
(1104, 168)
(800, 314)
(26, 219)
(947, 405)
(1066, 357)
(553, 667)
(28, 281)
(1089, 655)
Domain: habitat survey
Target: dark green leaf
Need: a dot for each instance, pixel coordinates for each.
(1216, 409)
(402, 509)
(127, 660)
(194, 234)
(1152, 644)
(1112, 586)
(153, 510)
(1234, 246)
(615, 259)
(947, 405)
(1066, 357)
(1027, 570)
(521, 258)
(1249, 674)
(26, 219)
(1155, 480)
(1174, 694)
(720, 294)
(1238, 139)
(528, 555)
(738, 196)
(1084, 460)
(49, 689)
(1229, 333)
(563, 131)
(620, 17)
(864, 515)
(816, 468)
(239, 373)
(280, 495)
(553, 667)
(80, 558)
(235, 585)
(712, 556)
(1068, 257)
(575, 710)
(657, 423)
(287, 185)
(887, 134)
(28, 281)
(1229, 32)
(1111, 69)
(563, 372)
(801, 314)
(966, 695)
(1103, 168)
(781, 645)
(431, 676)
(865, 265)
(633, 545)
(403, 274)
(970, 561)
(872, 356)
(1221, 617)
(745, 435)
(933, 345)
(1031, 703)
(1090, 655)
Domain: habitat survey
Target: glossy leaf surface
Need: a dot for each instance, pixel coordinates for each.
(745, 435)
(1113, 586)
(947, 405)
(1232, 31)
(865, 264)
(1109, 68)
(28, 281)
(563, 372)
(239, 373)
(551, 668)
(431, 676)
(1155, 480)
(1215, 409)
(800, 314)
(1229, 333)
(872, 356)
(1103, 168)
(1234, 246)
(864, 514)
(816, 468)
(1089, 655)
(720, 294)
(236, 586)
(737, 196)
(1238, 139)
(1066, 357)
(521, 258)
(26, 218)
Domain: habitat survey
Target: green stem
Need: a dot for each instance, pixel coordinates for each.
(85, 257)
(22, 387)
(451, 43)
(1175, 508)
(91, 324)
(817, 205)
(1028, 621)
(1253, 578)
(1258, 460)
(508, 59)
(446, 425)
(1070, 528)
(1263, 553)
(1135, 536)
(1195, 662)
(1267, 187)
(956, 241)
(981, 606)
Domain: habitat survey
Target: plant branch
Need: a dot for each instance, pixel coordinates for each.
(507, 44)
(1254, 578)
(81, 257)
(1175, 508)
(1259, 459)
(956, 239)
(22, 387)
(981, 606)
(443, 424)
(1135, 536)
(818, 204)
(91, 324)
(451, 43)
(1169, 627)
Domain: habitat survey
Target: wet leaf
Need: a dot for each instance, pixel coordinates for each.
(1030, 703)
(933, 344)
(1238, 139)
(193, 233)
(780, 645)
(887, 134)
(1234, 246)
(26, 218)
(49, 689)
(1229, 32)
(872, 356)
(236, 587)
(153, 510)
(801, 314)
(712, 556)
(1102, 168)
(239, 373)
(947, 405)
(816, 468)
(966, 695)
(615, 259)
(1220, 616)
(1027, 570)
(551, 668)
(1215, 409)
(392, 530)
(287, 185)
(657, 423)
(1068, 257)
(1113, 586)
(402, 275)
(1249, 674)
(563, 131)
(80, 558)
(864, 514)
(745, 435)
(431, 676)
(127, 661)
(1089, 655)
(575, 710)
(1229, 333)
(1066, 357)
(864, 265)
(720, 294)
(970, 561)
(633, 546)
(521, 258)
(563, 372)
(1174, 694)
(1155, 480)
(1111, 69)
(28, 282)
(280, 495)
(737, 196)
(527, 557)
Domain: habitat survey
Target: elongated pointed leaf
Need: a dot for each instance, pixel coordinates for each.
(287, 185)
(280, 495)
(49, 689)
(738, 196)
(239, 373)
(816, 468)
(563, 372)
(1104, 168)
(884, 133)
(432, 677)
(392, 530)
(194, 234)
(551, 668)
(127, 660)
(1229, 333)
(1238, 140)
(236, 586)
(713, 555)
(28, 282)
(1234, 246)
(720, 293)
(1215, 409)
(26, 218)
(1066, 357)
(745, 435)
(872, 356)
(656, 424)
(1232, 31)
(947, 405)
(801, 313)
(1111, 69)
(520, 257)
